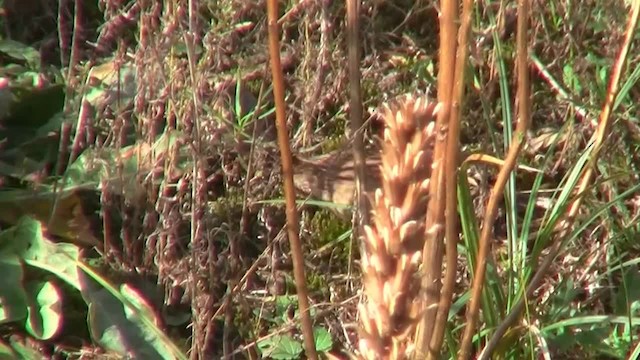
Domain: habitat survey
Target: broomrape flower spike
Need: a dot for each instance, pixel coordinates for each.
(393, 242)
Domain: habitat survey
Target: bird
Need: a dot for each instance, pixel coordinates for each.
(331, 177)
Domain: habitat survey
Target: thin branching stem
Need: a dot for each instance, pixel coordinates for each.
(451, 170)
(355, 110)
(432, 252)
(287, 174)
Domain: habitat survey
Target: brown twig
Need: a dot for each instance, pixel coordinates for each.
(432, 252)
(451, 169)
(287, 174)
(524, 111)
(355, 110)
(64, 157)
(64, 32)
(598, 139)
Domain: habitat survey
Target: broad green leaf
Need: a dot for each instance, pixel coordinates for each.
(284, 302)
(17, 239)
(65, 213)
(322, 338)
(6, 352)
(25, 352)
(13, 299)
(32, 111)
(45, 310)
(627, 296)
(19, 51)
(137, 299)
(123, 329)
(27, 241)
(280, 347)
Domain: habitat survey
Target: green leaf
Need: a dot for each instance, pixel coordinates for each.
(13, 299)
(280, 314)
(570, 78)
(25, 352)
(27, 241)
(280, 347)
(6, 352)
(19, 51)
(94, 166)
(57, 259)
(627, 297)
(322, 338)
(17, 239)
(119, 328)
(45, 310)
(140, 303)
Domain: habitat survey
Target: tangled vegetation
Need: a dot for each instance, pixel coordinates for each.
(141, 204)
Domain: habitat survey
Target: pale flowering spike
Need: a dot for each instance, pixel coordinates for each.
(415, 258)
(436, 109)
(403, 262)
(418, 159)
(410, 228)
(435, 164)
(382, 318)
(425, 185)
(373, 262)
(415, 200)
(379, 196)
(385, 242)
(366, 323)
(396, 235)
(386, 135)
(397, 218)
(372, 237)
(430, 128)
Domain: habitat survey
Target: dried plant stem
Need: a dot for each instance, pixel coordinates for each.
(287, 174)
(355, 110)
(202, 331)
(64, 28)
(432, 252)
(524, 110)
(451, 170)
(393, 242)
(598, 139)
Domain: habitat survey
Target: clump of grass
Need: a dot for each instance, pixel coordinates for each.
(392, 245)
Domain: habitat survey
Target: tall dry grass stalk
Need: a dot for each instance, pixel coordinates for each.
(393, 242)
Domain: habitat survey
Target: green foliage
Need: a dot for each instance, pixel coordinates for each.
(44, 310)
(280, 347)
(118, 319)
(331, 229)
(20, 53)
(287, 346)
(14, 300)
